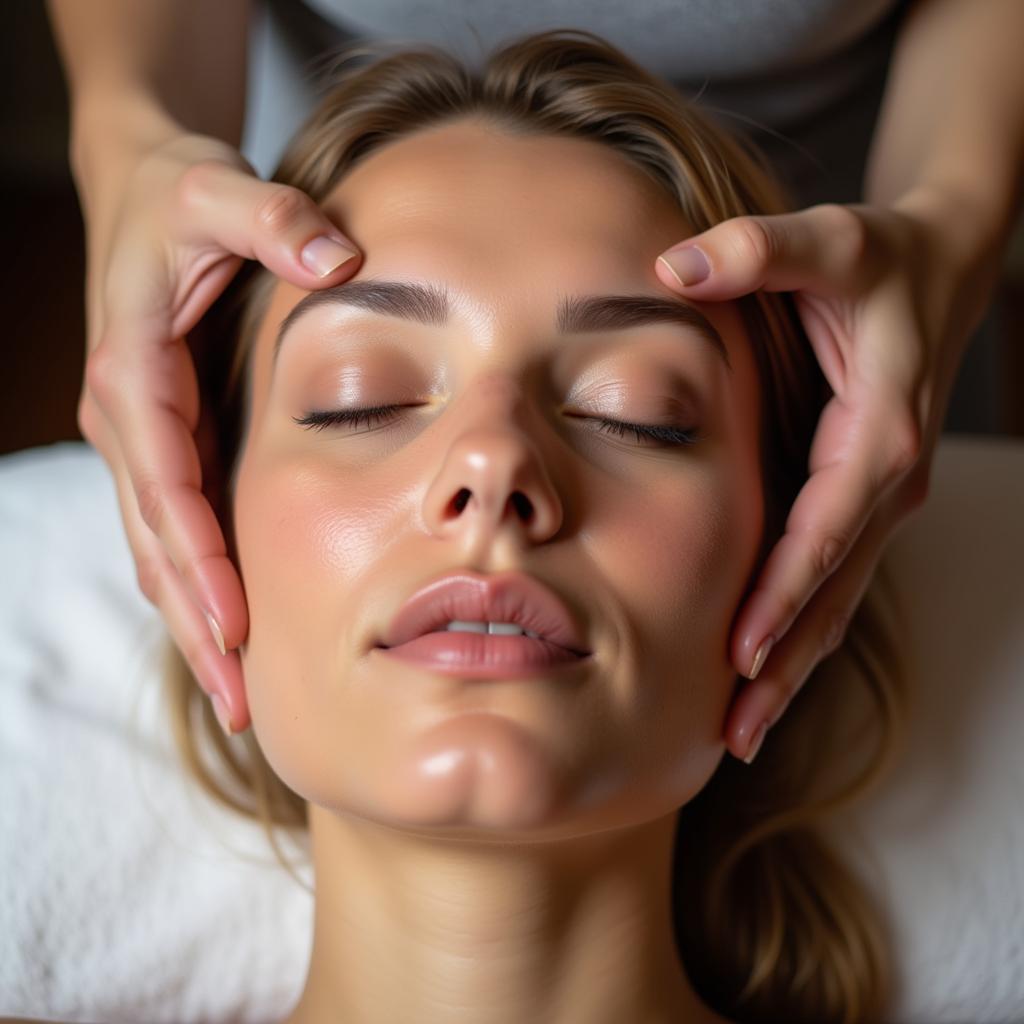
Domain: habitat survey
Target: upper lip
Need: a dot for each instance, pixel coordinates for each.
(505, 597)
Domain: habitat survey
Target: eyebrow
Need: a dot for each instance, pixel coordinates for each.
(577, 314)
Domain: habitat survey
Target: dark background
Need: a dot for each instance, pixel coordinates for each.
(42, 287)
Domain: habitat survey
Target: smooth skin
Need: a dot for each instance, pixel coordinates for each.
(499, 850)
(890, 291)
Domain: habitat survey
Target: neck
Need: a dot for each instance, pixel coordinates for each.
(409, 927)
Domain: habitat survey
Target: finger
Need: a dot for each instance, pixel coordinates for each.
(822, 628)
(820, 249)
(148, 392)
(859, 453)
(95, 429)
(277, 224)
(162, 586)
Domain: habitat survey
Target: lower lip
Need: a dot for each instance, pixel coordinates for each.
(484, 656)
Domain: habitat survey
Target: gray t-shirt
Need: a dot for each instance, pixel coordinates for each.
(804, 78)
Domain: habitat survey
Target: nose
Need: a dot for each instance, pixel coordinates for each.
(492, 477)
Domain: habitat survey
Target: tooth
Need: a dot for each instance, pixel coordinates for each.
(493, 628)
(458, 626)
(504, 628)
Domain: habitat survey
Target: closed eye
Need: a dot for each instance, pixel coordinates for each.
(668, 434)
(348, 417)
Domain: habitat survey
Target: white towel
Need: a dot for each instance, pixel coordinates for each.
(124, 893)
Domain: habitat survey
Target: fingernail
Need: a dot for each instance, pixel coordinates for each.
(323, 255)
(688, 266)
(220, 709)
(218, 636)
(755, 743)
(760, 656)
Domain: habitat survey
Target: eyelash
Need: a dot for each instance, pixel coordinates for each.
(665, 435)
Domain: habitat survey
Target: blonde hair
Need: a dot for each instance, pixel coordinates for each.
(770, 923)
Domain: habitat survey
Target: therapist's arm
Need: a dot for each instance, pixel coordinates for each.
(951, 126)
(186, 59)
(889, 291)
(171, 210)
(139, 73)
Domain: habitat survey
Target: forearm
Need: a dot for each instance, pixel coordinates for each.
(138, 74)
(951, 128)
(131, 65)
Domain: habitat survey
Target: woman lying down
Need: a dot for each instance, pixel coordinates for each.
(495, 502)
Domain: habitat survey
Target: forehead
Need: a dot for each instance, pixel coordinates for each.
(496, 214)
(509, 224)
(476, 185)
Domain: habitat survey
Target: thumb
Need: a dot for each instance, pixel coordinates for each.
(819, 250)
(277, 224)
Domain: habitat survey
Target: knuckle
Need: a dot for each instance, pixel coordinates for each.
(151, 504)
(908, 448)
(194, 184)
(827, 551)
(752, 242)
(148, 576)
(836, 625)
(101, 371)
(281, 209)
(847, 230)
(87, 418)
(904, 448)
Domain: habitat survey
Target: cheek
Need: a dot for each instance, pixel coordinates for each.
(681, 558)
(304, 536)
(676, 561)
(305, 542)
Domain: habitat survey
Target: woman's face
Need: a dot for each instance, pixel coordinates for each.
(651, 545)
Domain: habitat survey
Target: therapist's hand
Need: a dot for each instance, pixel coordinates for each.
(168, 227)
(888, 297)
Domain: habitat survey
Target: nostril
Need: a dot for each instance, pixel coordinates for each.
(522, 505)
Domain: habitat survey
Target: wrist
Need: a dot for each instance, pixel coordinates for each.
(964, 242)
(968, 226)
(110, 132)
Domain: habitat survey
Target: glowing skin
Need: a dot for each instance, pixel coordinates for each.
(493, 851)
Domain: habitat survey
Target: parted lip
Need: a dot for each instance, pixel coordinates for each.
(500, 597)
